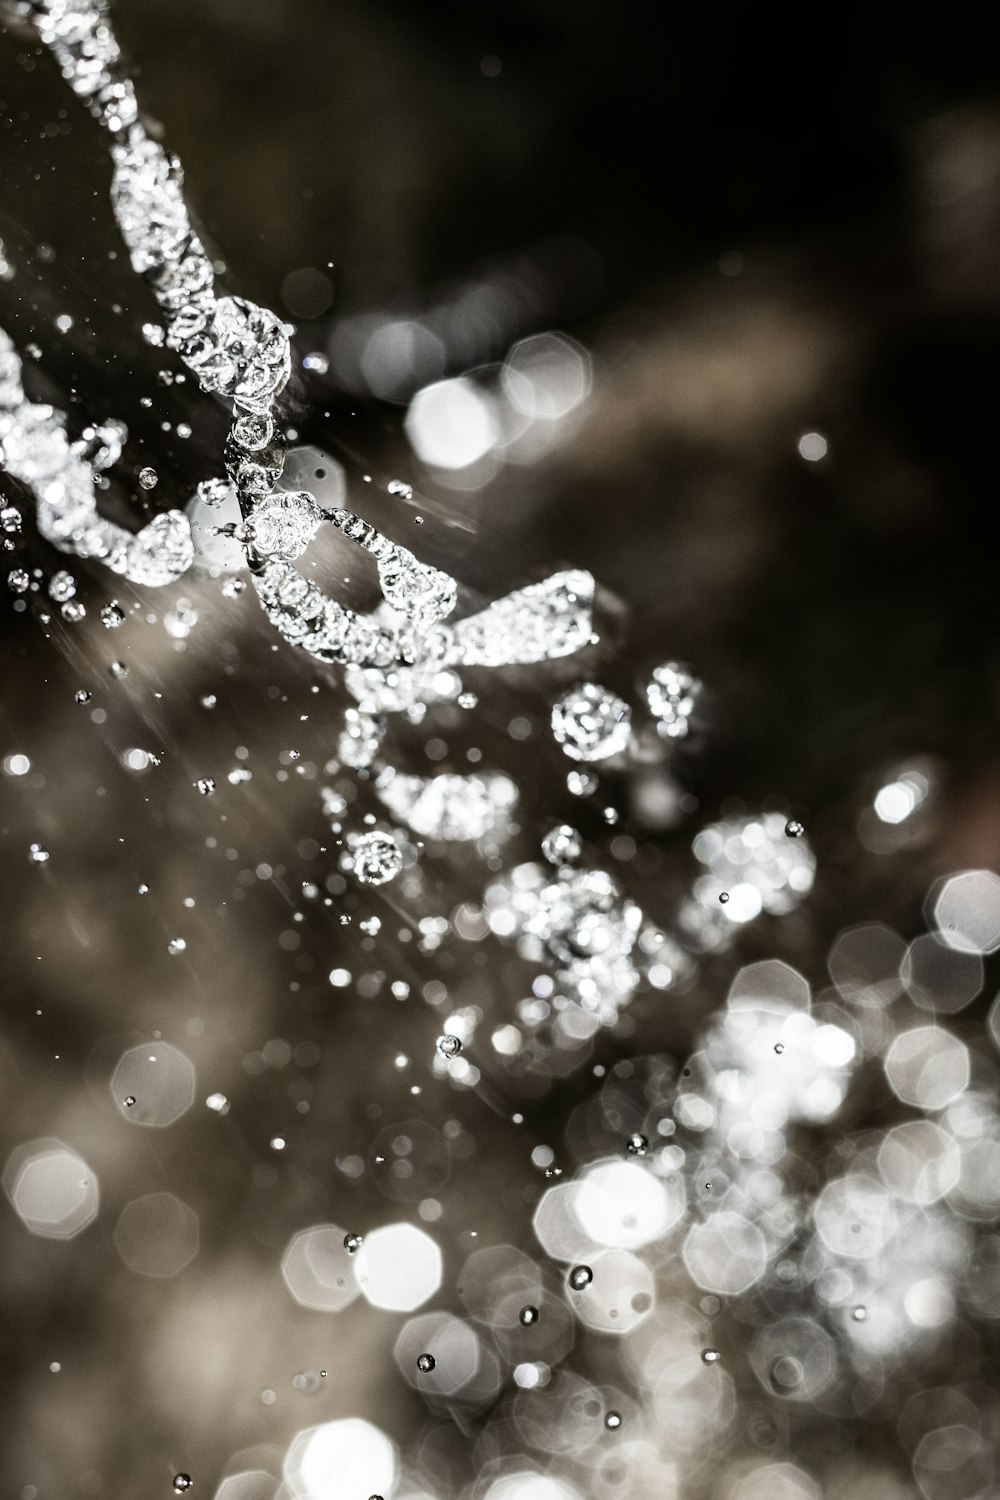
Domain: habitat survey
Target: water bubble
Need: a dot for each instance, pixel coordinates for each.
(591, 723)
(176, 945)
(580, 1277)
(375, 857)
(637, 1144)
(794, 829)
(62, 586)
(129, 1101)
(724, 897)
(425, 1363)
(613, 1420)
(148, 479)
(112, 615)
(562, 845)
(82, 695)
(528, 1316)
(859, 1313)
(352, 1243)
(38, 855)
(449, 1046)
(710, 1356)
(212, 492)
(73, 611)
(581, 783)
(182, 1482)
(206, 785)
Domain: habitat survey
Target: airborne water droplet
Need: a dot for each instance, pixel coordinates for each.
(580, 1277)
(426, 1363)
(859, 1313)
(794, 829)
(613, 1421)
(112, 615)
(449, 1046)
(637, 1144)
(129, 1101)
(38, 855)
(352, 1243)
(182, 1482)
(528, 1316)
(148, 479)
(206, 785)
(710, 1356)
(176, 945)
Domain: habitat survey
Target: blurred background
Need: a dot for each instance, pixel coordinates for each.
(710, 309)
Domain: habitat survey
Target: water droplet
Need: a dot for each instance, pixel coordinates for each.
(613, 1420)
(148, 479)
(218, 1103)
(129, 1101)
(581, 783)
(400, 488)
(232, 588)
(779, 1047)
(18, 581)
(710, 1356)
(528, 1316)
(449, 1046)
(724, 897)
(10, 519)
(73, 611)
(425, 1363)
(143, 889)
(38, 855)
(62, 586)
(182, 1482)
(118, 669)
(112, 615)
(176, 945)
(794, 829)
(580, 1277)
(82, 695)
(637, 1144)
(859, 1313)
(591, 723)
(206, 785)
(352, 1243)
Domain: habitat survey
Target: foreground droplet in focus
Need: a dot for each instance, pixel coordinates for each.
(528, 1316)
(580, 1277)
(182, 1482)
(375, 858)
(352, 1243)
(613, 1421)
(426, 1363)
(449, 1046)
(637, 1144)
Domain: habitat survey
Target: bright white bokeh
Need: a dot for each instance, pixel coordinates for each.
(623, 1205)
(398, 1267)
(345, 1458)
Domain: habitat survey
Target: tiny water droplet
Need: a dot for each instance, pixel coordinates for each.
(449, 1046)
(148, 479)
(637, 1144)
(38, 855)
(724, 897)
(176, 945)
(794, 829)
(129, 1101)
(779, 1047)
(425, 1363)
(528, 1316)
(859, 1313)
(613, 1421)
(112, 615)
(206, 785)
(352, 1243)
(710, 1356)
(580, 1277)
(118, 669)
(73, 611)
(182, 1482)
(82, 695)
(143, 889)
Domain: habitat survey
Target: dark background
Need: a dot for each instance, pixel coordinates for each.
(759, 228)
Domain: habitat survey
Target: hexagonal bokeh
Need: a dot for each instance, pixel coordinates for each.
(953, 1462)
(527, 1484)
(622, 1205)
(967, 911)
(494, 1276)
(725, 1254)
(249, 1484)
(855, 1216)
(318, 1270)
(452, 1344)
(158, 1080)
(770, 984)
(53, 1191)
(398, 1267)
(794, 1358)
(346, 1457)
(777, 1482)
(940, 978)
(157, 1235)
(919, 1161)
(557, 1227)
(927, 1067)
(619, 1297)
(864, 964)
